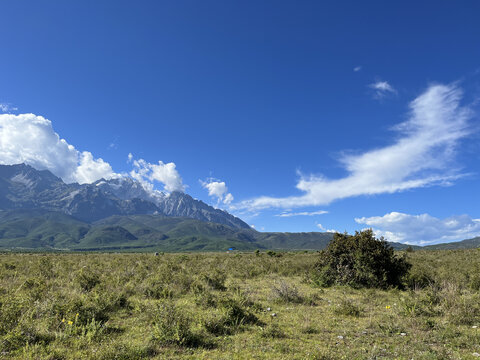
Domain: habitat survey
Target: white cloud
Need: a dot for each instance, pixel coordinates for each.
(30, 139)
(165, 173)
(421, 156)
(321, 227)
(357, 68)
(422, 229)
(303, 213)
(217, 189)
(382, 89)
(228, 198)
(90, 169)
(6, 108)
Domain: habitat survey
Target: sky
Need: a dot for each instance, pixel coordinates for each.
(296, 116)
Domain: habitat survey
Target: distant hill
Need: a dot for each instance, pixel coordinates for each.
(42, 229)
(465, 244)
(46, 230)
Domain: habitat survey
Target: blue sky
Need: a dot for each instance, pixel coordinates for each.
(338, 115)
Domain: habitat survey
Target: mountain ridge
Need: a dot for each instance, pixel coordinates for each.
(24, 187)
(39, 211)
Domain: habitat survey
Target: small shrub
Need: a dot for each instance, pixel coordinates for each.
(424, 303)
(156, 290)
(419, 278)
(46, 267)
(311, 299)
(466, 311)
(215, 280)
(474, 283)
(87, 280)
(18, 338)
(35, 288)
(171, 327)
(235, 312)
(92, 331)
(205, 299)
(286, 293)
(272, 253)
(9, 266)
(92, 305)
(11, 309)
(234, 315)
(218, 325)
(309, 329)
(272, 331)
(360, 260)
(347, 308)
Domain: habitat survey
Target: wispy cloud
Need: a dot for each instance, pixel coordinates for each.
(357, 68)
(321, 227)
(303, 213)
(7, 108)
(421, 156)
(217, 189)
(114, 144)
(382, 89)
(422, 229)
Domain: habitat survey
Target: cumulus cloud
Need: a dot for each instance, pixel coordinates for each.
(421, 156)
(382, 89)
(30, 139)
(217, 189)
(90, 169)
(165, 173)
(422, 229)
(303, 213)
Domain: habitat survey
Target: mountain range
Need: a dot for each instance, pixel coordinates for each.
(38, 211)
(23, 187)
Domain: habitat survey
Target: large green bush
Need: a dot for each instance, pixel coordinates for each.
(360, 260)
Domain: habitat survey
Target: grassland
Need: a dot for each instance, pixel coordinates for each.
(232, 306)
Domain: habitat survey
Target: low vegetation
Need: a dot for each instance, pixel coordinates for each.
(235, 305)
(361, 260)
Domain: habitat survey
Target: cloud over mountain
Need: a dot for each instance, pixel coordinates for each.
(217, 189)
(422, 155)
(165, 173)
(30, 139)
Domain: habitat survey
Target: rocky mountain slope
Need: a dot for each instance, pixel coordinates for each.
(23, 187)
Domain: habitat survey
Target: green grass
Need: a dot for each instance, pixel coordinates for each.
(232, 306)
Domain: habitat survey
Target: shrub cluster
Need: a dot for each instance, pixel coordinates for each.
(360, 260)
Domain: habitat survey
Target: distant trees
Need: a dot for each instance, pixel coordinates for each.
(360, 260)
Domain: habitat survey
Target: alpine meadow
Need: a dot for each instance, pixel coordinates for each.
(186, 179)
